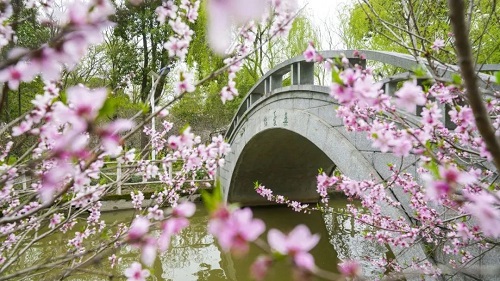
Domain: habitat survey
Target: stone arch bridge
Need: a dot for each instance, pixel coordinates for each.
(281, 135)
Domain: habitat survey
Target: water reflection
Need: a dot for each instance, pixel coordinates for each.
(346, 238)
(194, 255)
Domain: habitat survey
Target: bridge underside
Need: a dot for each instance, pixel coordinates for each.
(281, 160)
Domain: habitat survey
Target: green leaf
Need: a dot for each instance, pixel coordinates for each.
(419, 71)
(433, 168)
(256, 185)
(108, 108)
(336, 77)
(337, 173)
(11, 160)
(456, 79)
(63, 97)
(278, 256)
(184, 128)
(144, 107)
(497, 77)
(213, 199)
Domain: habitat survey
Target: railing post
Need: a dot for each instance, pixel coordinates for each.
(295, 73)
(170, 170)
(119, 178)
(390, 88)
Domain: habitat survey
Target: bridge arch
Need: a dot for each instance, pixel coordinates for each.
(290, 171)
(283, 142)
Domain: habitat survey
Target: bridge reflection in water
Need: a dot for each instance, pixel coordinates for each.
(194, 255)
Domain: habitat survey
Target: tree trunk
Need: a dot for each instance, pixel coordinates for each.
(144, 84)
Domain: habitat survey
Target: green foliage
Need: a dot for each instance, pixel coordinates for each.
(108, 108)
(384, 25)
(19, 101)
(123, 58)
(432, 166)
(200, 56)
(456, 79)
(420, 71)
(301, 33)
(213, 199)
(336, 77)
(124, 107)
(142, 36)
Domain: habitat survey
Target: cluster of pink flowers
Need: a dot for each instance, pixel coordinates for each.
(64, 132)
(84, 22)
(223, 14)
(137, 199)
(234, 228)
(138, 234)
(311, 55)
(437, 45)
(185, 84)
(177, 44)
(280, 199)
(296, 244)
(136, 273)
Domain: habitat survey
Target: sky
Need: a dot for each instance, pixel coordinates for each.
(326, 11)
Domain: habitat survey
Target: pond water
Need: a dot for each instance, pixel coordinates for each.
(194, 255)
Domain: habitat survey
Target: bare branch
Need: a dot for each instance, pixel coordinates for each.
(466, 63)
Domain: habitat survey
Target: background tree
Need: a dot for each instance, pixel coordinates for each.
(413, 26)
(30, 34)
(203, 109)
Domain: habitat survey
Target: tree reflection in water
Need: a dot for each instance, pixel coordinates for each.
(346, 237)
(194, 254)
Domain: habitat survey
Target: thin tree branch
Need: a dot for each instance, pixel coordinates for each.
(466, 63)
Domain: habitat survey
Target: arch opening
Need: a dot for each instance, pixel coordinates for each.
(283, 161)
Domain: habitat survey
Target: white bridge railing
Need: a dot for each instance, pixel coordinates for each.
(121, 175)
(122, 172)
